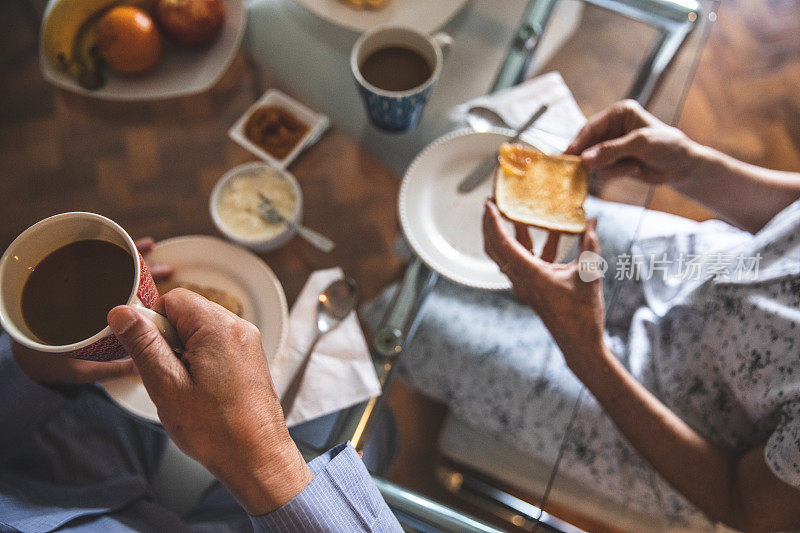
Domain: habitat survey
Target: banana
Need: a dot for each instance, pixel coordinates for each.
(63, 25)
(70, 37)
(87, 67)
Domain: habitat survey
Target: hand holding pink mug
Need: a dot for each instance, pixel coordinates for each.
(51, 234)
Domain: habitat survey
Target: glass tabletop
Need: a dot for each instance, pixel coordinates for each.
(151, 165)
(309, 58)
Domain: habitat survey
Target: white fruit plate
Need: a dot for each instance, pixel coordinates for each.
(181, 71)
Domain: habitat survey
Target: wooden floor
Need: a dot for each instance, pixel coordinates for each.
(745, 99)
(59, 153)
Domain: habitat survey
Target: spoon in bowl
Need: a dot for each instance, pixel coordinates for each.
(267, 211)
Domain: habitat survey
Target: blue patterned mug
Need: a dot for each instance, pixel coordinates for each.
(397, 111)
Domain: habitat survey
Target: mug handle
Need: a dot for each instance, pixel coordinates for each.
(443, 41)
(166, 329)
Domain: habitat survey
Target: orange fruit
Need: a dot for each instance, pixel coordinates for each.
(128, 40)
(516, 158)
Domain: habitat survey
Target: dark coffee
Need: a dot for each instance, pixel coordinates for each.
(395, 68)
(68, 295)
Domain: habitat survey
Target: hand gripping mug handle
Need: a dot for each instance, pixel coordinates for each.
(166, 329)
(443, 41)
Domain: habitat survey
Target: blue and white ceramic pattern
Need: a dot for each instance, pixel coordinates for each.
(397, 111)
(395, 114)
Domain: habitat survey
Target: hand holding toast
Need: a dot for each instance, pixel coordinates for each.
(571, 309)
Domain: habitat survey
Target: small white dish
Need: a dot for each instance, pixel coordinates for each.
(259, 244)
(180, 72)
(317, 124)
(211, 261)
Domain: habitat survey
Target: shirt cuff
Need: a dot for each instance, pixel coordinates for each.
(341, 497)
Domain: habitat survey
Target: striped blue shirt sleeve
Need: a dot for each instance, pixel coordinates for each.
(342, 497)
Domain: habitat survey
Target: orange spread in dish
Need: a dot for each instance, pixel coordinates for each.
(275, 130)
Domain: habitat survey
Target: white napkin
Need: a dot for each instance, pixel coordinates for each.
(340, 373)
(515, 105)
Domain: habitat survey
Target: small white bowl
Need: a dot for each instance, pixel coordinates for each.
(317, 124)
(258, 244)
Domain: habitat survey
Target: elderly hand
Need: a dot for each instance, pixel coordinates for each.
(626, 140)
(217, 401)
(571, 309)
(50, 368)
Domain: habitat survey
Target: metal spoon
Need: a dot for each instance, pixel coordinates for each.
(318, 240)
(483, 119)
(333, 305)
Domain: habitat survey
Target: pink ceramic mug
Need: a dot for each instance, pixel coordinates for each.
(46, 236)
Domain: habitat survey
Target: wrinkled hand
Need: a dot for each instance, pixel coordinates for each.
(217, 401)
(625, 140)
(53, 369)
(571, 309)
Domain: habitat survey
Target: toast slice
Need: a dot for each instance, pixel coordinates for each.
(541, 190)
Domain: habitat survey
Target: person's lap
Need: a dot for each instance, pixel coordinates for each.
(89, 467)
(470, 341)
(494, 363)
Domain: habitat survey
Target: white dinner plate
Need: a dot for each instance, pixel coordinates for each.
(180, 72)
(425, 16)
(210, 261)
(444, 226)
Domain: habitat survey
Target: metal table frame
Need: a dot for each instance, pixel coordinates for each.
(674, 20)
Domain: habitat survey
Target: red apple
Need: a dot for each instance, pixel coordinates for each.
(191, 22)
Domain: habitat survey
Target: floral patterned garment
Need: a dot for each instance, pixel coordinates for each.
(723, 353)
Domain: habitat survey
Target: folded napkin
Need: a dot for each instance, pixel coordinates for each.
(340, 373)
(515, 105)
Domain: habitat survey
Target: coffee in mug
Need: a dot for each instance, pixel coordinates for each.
(61, 277)
(396, 68)
(70, 292)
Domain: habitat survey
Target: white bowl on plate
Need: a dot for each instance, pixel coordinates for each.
(257, 243)
(317, 124)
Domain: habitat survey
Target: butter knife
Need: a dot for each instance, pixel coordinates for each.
(485, 167)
